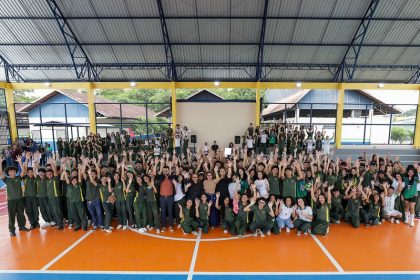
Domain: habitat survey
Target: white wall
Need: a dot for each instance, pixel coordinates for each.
(216, 121)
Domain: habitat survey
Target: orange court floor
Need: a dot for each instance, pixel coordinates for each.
(377, 252)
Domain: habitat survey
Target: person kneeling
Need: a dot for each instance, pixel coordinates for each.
(188, 224)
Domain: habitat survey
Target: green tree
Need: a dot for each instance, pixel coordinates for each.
(398, 134)
(21, 96)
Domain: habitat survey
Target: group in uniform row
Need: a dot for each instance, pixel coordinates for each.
(242, 192)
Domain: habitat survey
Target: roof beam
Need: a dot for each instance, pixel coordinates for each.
(211, 44)
(260, 58)
(171, 69)
(348, 64)
(415, 78)
(211, 17)
(81, 63)
(11, 73)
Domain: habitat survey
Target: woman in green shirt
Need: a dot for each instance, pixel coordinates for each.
(202, 212)
(153, 219)
(188, 224)
(120, 195)
(227, 213)
(105, 191)
(321, 212)
(409, 193)
(77, 205)
(140, 209)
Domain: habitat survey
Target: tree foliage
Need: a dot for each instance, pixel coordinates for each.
(400, 134)
(21, 96)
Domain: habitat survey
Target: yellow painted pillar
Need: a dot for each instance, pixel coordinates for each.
(91, 106)
(417, 128)
(258, 103)
(10, 103)
(173, 106)
(339, 120)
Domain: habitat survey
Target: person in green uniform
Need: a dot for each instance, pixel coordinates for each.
(259, 221)
(355, 198)
(41, 191)
(140, 208)
(30, 193)
(202, 212)
(337, 210)
(322, 212)
(271, 220)
(15, 203)
(188, 224)
(77, 207)
(130, 191)
(289, 180)
(105, 191)
(409, 194)
(153, 219)
(227, 213)
(119, 192)
(375, 204)
(242, 217)
(54, 194)
(93, 200)
(274, 181)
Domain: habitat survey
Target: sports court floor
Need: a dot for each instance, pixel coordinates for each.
(382, 252)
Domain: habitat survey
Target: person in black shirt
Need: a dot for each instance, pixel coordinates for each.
(195, 188)
(215, 147)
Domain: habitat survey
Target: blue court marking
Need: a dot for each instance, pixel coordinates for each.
(208, 276)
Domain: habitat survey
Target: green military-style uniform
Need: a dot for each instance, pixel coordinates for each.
(337, 210)
(203, 218)
(320, 224)
(120, 196)
(54, 193)
(228, 219)
(152, 208)
(108, 206)
(259, 220)
(15, 204)
(274, 182)
(188, 223)
(31, 200)
(289, 187)
(374, 212)
(140, 208)
(241, 220)
(272, 220)
(77, 206)
(41, 188)
(129, 201)
(69, 191)
(352, 213)
(331, 180)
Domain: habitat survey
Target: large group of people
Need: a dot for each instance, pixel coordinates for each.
(281, 177)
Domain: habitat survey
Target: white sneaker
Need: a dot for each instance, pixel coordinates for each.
(337, 222)
(263, 235)
(108, 230)
(412, 223)
(178, 226)
(305, 233)
(392, 220)
(119, 226)
(53, 224)
(287, 229)
(268, 233)
(397, 222)
(298, 233)
(45, 225)
(124, 227)
(328, 230)
(406, 221)
(70, 226)
(148, 227)
(111, 227)
(141, 230)
(195, 233)
(158, 231)
(225, 231)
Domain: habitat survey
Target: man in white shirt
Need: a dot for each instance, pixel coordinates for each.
(388, 197)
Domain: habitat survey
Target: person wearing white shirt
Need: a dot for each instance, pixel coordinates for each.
(303, 215)
(262, 184)
(285, 211)
(205, 149)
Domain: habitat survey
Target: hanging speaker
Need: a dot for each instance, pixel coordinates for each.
(193, 139)
(237, 140)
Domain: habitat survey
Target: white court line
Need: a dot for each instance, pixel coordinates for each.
(194, 256)
(67, 250)
(3, 207)
(190, 239)
(414, 272)
(330, 257)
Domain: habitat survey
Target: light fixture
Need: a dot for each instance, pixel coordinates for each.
(298, 84)
(217, 83)
(47, 84)
(381, 85)
(133, 84)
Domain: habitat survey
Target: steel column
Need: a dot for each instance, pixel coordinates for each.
(260, 59)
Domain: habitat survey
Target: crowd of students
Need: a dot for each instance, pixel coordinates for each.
(282, 177)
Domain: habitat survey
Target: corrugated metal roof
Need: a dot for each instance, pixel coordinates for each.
(210, 31)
